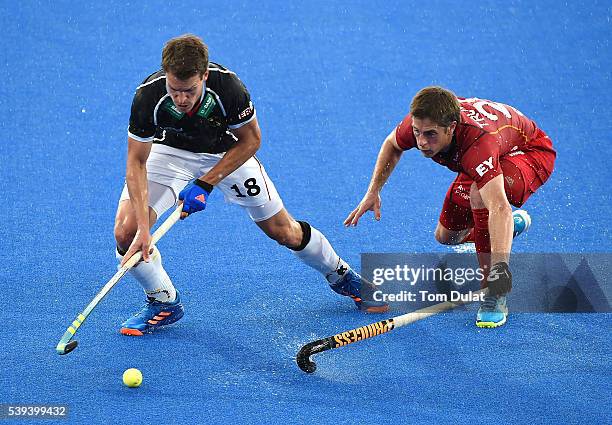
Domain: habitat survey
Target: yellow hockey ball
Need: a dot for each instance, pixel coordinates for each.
(132, 378)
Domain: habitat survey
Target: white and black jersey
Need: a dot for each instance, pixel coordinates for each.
(225, 105)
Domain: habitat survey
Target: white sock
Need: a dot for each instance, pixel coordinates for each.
(153, 278)
(319, 254)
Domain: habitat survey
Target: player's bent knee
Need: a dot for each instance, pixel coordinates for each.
(124, 239)
(441, 236)
(125, 225)
(444, 236)
(449, 237)
(123, 235)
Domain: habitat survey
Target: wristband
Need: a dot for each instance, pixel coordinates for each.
(206, 186)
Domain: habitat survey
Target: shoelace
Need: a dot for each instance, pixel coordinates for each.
(347, 286)
(144, 308)
(489, 303)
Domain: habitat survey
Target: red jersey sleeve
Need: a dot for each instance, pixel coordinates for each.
(481, 160)
(404, 135)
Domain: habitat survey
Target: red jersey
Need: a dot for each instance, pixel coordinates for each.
(487, 132)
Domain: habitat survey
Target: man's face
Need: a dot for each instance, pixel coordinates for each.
(432, 138)
(185, 94)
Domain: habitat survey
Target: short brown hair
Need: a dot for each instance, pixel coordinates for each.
(185, 56)
(437, 104)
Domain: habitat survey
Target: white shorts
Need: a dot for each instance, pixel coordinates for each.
(169, 170)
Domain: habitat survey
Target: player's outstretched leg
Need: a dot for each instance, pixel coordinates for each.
(312, 248)
(316, 251)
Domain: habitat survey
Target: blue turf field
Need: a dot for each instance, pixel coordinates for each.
(329, 81)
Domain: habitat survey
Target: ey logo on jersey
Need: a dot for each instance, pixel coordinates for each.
(484, 166)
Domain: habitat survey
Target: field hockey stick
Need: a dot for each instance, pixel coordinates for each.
(67, 344)
(364, 332)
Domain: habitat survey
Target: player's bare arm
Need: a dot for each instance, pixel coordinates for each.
(249, 141)
(388, 157)
(136, 179)
(500, 218)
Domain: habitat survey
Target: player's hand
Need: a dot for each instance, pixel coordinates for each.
(370, 202)
(194, 197)
(499, 280)
(141, 242)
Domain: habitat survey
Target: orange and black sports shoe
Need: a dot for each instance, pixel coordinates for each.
(361, 291)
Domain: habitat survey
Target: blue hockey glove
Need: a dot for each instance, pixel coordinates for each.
(194, 196)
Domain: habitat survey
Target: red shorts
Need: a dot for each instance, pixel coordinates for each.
(524, 173)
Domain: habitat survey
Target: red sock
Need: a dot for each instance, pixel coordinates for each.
(482, 240)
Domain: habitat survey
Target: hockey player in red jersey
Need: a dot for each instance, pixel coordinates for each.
(501, 158)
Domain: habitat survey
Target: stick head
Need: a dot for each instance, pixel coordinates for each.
(66, 348)
(303, 360)
(314, 347)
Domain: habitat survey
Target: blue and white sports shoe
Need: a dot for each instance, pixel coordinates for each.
(522, 222)
(354, 286)
(493, 312)
(153, 315)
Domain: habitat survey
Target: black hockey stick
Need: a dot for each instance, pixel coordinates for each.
(359, 334)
